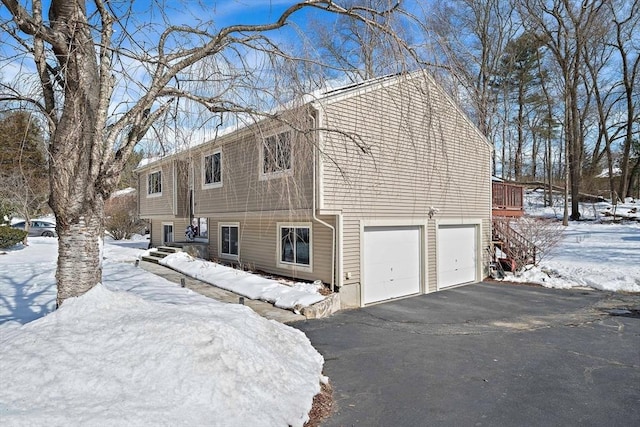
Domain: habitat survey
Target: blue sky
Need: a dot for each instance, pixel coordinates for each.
(229, 12)
(249, 11)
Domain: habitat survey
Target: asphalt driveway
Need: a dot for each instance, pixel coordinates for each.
(485, 355)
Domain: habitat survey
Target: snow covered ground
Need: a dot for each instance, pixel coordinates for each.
(599, 253)
(141, 351)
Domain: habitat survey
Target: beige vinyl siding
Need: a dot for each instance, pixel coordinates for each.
(243, 189)
(156, 233)
(420, 152)
(156, 206)
(182, 188)
(179, 225)
(258, 244)
(351, 249)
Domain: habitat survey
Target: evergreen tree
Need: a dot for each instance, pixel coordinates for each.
(24, 189)
(519, 79)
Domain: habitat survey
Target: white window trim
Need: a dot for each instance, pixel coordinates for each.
(206, 186)
(159, 194)
(289, 265)
(277, 174)
(173, 232)
(220, 254)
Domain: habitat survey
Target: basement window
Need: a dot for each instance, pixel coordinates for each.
(295, 246)
(229, 241)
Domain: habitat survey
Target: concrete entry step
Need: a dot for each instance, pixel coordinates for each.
(168, 250)
(159, 253)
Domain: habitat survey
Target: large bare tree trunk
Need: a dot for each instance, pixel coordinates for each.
(80, 255)
(75, 155)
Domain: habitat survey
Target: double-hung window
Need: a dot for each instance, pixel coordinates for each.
(229, 243)
(276, 154)
(154, 184)
(295, 245)
(212, 170)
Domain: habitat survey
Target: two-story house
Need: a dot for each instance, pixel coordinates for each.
(380, 189)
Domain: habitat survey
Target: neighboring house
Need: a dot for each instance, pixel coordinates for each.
(380, 189)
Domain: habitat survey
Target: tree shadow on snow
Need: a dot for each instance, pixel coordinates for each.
(34, 295)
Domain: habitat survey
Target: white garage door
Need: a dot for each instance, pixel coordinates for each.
(391, 261)
(457, 254)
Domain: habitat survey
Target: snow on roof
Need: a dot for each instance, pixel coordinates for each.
(124, 192)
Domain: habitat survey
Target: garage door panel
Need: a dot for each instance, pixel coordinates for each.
(457, 255)
(391, 262)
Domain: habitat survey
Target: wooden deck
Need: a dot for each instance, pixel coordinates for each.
(507, 200)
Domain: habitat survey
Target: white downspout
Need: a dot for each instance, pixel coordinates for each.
(313, 204)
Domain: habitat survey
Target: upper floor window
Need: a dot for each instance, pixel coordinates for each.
(276, 153)
(212, 169)
(154, 183)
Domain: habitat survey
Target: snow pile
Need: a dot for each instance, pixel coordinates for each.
(244, 283)
(140, 350)
(112, 358)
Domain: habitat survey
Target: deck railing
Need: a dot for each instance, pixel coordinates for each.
(507, 199)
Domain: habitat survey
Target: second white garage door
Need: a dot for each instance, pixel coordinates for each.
(391, 258)
(457, 255)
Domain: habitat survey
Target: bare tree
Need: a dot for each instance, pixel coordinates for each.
(82, 53)
(121, 215)
(544, 234)
(597, 79)
(357, 49)
(566, 27)
(626, 19)
(471, 36)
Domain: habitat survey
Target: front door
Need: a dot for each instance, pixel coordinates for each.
(167, 233)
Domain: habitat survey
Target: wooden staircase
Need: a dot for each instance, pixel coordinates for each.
(517, 251)
(159, 253)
